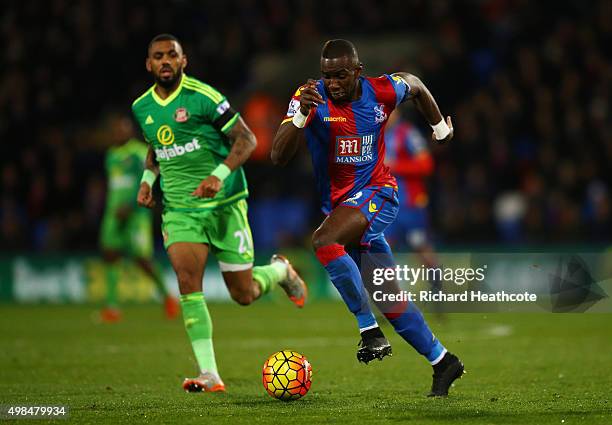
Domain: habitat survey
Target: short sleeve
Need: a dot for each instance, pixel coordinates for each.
(401, 87)
(294, 105)
(216, 109)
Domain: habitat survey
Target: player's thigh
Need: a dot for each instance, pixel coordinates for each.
(188, 260)
(230, 238)
(359, 218)
(343, 226)
(182, 226)
(380, 212)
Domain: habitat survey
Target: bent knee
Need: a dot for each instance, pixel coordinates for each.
(242, 297)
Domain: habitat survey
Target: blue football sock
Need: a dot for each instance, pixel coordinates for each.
(346, 277)
(411, 326)
(405, 317)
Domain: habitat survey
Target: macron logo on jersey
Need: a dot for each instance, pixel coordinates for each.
(174, 151)
(149, 120)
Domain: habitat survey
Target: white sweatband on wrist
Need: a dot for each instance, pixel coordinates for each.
(148, 177)
(441, 130)
(221, 172)
(299, 119)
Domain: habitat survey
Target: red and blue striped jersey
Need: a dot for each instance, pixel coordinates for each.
(346, 140)
(410, 161)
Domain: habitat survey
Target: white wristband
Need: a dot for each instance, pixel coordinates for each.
(299, 119)
(148, 177)
(441, 130)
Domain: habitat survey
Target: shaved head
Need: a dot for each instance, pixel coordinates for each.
(338, 48)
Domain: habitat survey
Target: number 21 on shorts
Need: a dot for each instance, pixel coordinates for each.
(245, 240)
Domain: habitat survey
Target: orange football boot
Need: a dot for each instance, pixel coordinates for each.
(206, 382)
(294, 286)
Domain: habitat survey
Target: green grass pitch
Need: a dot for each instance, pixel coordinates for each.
(522, 369)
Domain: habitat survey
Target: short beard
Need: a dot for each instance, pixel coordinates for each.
(171, 82)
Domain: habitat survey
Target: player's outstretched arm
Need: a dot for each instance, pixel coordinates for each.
(426, 104)
(145, 193)
(243, 143)
(290, 134)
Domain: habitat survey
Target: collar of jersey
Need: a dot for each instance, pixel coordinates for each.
(175, 93)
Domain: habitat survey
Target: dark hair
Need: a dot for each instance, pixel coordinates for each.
(337, 48)
(162, 37)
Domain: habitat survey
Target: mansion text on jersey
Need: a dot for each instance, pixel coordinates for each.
(354, 149)
(173, 151)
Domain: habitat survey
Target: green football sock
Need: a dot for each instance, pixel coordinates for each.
(199, 329)
(112, 279)
(268, 276)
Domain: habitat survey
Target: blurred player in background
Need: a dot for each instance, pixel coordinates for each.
(197, 144)
(126, 229)
(408, 157)
(342, 118)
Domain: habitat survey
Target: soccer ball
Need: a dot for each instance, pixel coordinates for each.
(286, 375)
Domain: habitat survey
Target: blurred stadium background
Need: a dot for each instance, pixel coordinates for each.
(528, 87)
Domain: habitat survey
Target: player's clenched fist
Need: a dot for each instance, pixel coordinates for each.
(309, 96)
(443, 133)
(208, 188)
(145, 196)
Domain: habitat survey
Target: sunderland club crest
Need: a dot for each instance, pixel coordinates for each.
(181, 115)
